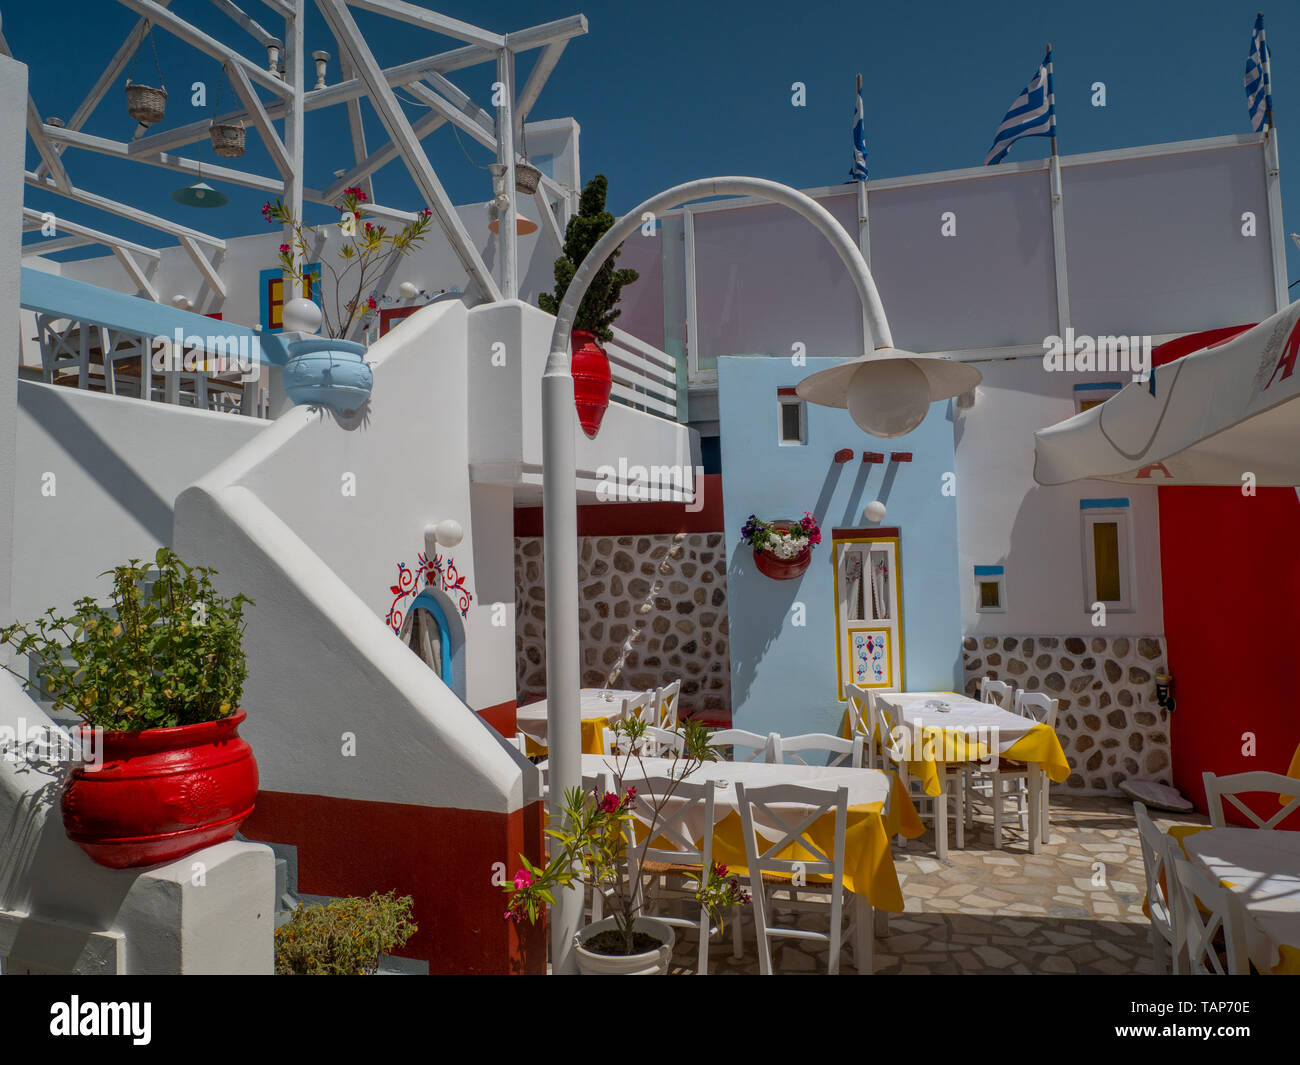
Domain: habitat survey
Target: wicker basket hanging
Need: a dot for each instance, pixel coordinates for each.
(146, 104)
(227, 139)
(527, 178)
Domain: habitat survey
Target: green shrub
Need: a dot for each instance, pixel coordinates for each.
(347, 937)
(165, 651)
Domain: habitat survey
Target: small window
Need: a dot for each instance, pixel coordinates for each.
(1094, 394)
(990, 590)
(1107, 553)
(792, 425)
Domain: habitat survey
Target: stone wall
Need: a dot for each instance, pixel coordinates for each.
(660, 598)
(1108, 721)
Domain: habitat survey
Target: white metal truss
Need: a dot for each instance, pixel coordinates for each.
(362, 78)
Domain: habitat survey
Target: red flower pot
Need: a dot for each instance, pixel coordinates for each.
(782, 569)
(161, 793)
(591, 381)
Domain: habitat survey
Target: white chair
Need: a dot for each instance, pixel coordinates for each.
(862, 720)
(839, 752)
(1042, 709)
(761, 748)
(1196, 926)
(997, 692)
(641, 705)
(1219, 788)
(1156, 860)
(675, 855)
(663, 742)
(900, 746)
(788, 811)
(666, 700)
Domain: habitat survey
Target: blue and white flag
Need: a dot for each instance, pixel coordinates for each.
(1032, 115)
(858, 171)
(1259, 85)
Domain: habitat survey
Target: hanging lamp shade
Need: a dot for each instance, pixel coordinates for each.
(200, 194)
(523, 226)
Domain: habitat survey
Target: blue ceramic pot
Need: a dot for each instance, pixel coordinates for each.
(323, 372)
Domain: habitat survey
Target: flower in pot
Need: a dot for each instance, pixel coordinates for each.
(592, 834)
(782, 549)
(599, 308)
(331, 371)
(156, 674)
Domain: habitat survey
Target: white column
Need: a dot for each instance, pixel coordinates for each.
(293, 125)
(1058, 248)
(1277, 238)
(507, 235)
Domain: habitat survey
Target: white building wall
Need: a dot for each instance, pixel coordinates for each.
(13, 91)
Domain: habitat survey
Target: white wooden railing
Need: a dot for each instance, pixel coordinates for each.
(645, 378)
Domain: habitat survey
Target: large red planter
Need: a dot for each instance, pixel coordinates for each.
(161, 793)
(591, 381)
(782, 569)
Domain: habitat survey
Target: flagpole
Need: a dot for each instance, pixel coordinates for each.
(1051, 97)
(1061, 271)
(864, 224)
(1268, 75)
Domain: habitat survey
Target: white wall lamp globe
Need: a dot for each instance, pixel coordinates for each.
(875, 511)
(301, 315)
(408, 289)
(446, 533)
(181, 300)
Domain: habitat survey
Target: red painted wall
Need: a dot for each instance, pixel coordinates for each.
(637, 519)
(441, 857)
(1230, 565)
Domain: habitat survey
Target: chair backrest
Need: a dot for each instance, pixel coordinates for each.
(665, 742)
(1155, 858)
(666, 700)
(784, 813)
(674, 829)
(1197, 926)
(1219, 788)
(757, 745)
(886, 717)
(1037, 705)
(840, 752)
(641, 705)
(862, 710)
(997, 692)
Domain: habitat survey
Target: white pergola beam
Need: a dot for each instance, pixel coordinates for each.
(431, 20)
(53, 244)
(356, 126)
(178, 27)
(537, 78)
(563, 29)
(206, 268)
(259, 33)
(453, 114)
(380, 158)
(399, 129)
(134, 272)
(122, 150)
(261, 120)
(282, 7)
(549, 222)
(132, 214)
(34, 219)
(36, 130)
(453, 92)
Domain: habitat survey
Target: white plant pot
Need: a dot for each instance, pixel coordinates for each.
(651, 963)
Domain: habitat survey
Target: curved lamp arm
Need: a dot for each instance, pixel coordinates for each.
(560, 495)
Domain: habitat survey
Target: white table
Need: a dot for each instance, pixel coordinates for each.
(916, 710)
(1263, 868)
(592, 702)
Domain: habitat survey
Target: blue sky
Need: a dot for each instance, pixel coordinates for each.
(669, 91)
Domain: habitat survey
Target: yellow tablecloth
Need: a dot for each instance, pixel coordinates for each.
(593, 738)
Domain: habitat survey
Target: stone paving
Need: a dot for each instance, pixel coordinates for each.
(1074, 908)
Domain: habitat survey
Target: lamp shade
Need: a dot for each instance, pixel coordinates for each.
(523, 226)
(200, 194)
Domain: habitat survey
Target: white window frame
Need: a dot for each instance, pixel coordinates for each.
(791, 401)
(1123, 518)
(1000, 579)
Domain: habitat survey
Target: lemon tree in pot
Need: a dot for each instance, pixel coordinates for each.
(156, 674)
(591, 836)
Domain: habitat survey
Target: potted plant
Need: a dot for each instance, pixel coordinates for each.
(782, 549)
(331, 371)
(596, 314)
(156, 675)
(346, 937)
(592, 833)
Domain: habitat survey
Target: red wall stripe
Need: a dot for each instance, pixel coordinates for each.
(632, 519)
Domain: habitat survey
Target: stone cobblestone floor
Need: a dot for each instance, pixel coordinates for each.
(1074, 908)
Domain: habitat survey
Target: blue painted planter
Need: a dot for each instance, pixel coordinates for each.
(323, 372)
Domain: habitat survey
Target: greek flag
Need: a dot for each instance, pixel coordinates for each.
(1032, 115)
(1259, 87)
(858, 171)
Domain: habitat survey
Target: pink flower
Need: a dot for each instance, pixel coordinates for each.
(284, 249)
(610, 803)
(523, 880)
(629, 795)
(426, 213)
(372, 303)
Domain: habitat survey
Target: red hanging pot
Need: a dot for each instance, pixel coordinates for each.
(591, 381)
(782, 569)
(162, 793)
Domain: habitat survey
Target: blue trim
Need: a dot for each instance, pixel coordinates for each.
(1096, 386)
(988, 571)
(426, 600)
(1102, 504)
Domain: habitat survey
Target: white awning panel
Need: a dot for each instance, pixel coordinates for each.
(1208, 418)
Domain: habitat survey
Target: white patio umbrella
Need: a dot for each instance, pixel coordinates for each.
(1208, 418)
